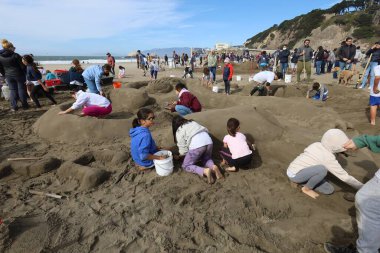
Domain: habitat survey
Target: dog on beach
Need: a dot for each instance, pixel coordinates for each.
(336, 69)
(346, 76)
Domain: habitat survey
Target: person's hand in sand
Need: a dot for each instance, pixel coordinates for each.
(65, 112)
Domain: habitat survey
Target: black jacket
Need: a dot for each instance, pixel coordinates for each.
(11, 64)
(319, 56)
(375, 55)
(284, 56)
(347, 52)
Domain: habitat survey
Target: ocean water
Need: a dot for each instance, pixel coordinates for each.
(82, 59)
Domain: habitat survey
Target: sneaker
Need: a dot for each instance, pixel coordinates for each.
(331, 248)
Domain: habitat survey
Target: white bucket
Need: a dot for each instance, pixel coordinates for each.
(164, 167)
(238, 78)
(215, 89)
(5, 92)
(172, 76)
(288, 78)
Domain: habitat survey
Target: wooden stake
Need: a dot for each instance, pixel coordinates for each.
(52, 195)
(22, 159)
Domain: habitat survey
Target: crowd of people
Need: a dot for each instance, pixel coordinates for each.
(195, 146)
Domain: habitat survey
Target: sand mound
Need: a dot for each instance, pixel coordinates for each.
(163, 85)
(138, 85)
(128, 99)
(71, 128)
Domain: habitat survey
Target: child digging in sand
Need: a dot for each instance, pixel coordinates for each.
(310, 168)
(236, 152)
(321, 92)
(143, 146)
(195, 144)
(187, 103)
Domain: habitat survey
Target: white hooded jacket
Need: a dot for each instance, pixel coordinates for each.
(323, 153)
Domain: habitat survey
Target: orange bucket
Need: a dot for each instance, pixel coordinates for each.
(116, 85)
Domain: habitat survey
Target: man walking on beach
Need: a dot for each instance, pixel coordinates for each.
(212, 63)
(305, 54)
(142, 61)
(111, 62)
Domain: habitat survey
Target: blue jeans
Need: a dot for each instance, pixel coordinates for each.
(370, 70)
(367, 202)
(183, 110)
(213, 71)
(313, 177)
(17, 91)
(335, 74)
(318, 65)
(284, 68)
(343, 65)
(91, 85)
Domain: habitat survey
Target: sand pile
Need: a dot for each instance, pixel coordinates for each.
(163, 85)
(254, 210)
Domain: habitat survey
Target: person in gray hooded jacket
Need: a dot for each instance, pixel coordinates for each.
(310, 168)
(195, 144)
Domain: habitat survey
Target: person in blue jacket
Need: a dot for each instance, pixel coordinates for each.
(143, 147)
(93, 75)
(321, 92)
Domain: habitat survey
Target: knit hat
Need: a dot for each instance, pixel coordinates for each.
(227, 60)
(334, 139)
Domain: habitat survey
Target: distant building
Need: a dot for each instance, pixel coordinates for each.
(222, 46)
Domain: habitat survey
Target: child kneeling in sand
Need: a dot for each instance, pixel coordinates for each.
(143, 147)
(321, 92)
(121, 72)
(187, 103)
(195, 144)
(93, 104)
(236, 152)
(310, 168)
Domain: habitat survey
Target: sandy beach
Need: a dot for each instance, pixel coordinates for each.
(254, 210)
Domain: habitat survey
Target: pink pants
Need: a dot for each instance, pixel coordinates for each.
(97, 111)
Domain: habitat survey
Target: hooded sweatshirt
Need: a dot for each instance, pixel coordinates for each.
(185, 133)
(11, 64)
(323, 153)
(142, 144)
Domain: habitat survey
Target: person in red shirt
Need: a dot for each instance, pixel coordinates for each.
(111, 62)
(228, 72)
(187, 103)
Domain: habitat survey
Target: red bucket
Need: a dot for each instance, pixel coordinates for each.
(116, 85)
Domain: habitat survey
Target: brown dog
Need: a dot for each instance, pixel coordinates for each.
(346, 76)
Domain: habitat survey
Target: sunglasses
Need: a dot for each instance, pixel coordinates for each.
(151, 118)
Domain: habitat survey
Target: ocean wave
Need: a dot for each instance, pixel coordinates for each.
(89, 61)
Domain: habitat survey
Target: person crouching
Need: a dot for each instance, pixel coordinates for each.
(93, 104)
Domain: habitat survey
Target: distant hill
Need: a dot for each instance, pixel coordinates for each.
(357, 18)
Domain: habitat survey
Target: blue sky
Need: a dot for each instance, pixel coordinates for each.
(93, 27)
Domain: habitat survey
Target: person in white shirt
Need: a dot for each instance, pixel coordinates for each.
(93, 104)
(121, 72)
(310, 168)
(263, 81)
